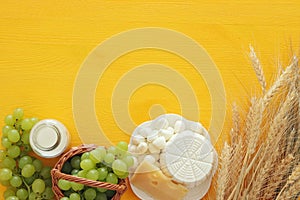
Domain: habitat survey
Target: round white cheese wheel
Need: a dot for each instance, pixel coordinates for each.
(189, 158)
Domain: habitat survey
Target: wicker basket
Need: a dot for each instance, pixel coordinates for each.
(57, 174)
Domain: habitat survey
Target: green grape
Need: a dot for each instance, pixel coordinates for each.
(109, 158)
(5, 183)
(119, 167)
(112, 150)
(13, 135)
(48, 182)
(67, 168)
(92, 174)
(18, 113)
(75, 162)
(123, 176)
(112, 178)
(13, 151)
(5, 174)
(48, 193)
(28, 170)
(5, 130)
(110, 193)
(128, 160)
(82, 173)
(2, 154)
(38, 186)
(22, 194)
(64, 184)
(33, 196)
(38, 165)
(27, 124)
(87, 164)
(12, 198)
(5, 142)
(24, 160)
(100, 196)
(102, 151)
(25, 138)
(77, 186)
(74, 196)
(102, 173)
(13, 188)
(9, 120)
(9, 192)
(95, 156)
(90, 194)
(15, 181)
(85, 155)
(74, 171)
(122, 145)
(45, 172)
(121, 153)
(8, 162)
(64, 198)
(34, 120)
(101, 189)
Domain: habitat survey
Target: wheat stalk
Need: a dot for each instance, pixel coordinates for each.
(277, 177)
(252, 131)
(260, 162)
(292, 185)
(272, 147)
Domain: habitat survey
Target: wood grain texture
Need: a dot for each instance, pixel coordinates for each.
(43, 44)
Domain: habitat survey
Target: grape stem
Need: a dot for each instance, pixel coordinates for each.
(27, 186)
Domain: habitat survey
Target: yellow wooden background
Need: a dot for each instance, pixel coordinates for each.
(43, 44)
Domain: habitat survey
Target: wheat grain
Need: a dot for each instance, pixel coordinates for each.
(253, 124)
(295, 175)
(292, 187)
(223, 175)
(237, 156)
(277, 178)
(280, 82)
(234, 132)
(258, 69)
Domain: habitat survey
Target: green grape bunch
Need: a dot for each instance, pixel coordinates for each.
(101, 164)
(23, 175)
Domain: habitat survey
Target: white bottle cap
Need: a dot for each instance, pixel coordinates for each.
(49, 138)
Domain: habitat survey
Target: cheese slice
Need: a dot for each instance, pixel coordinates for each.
(153, 182)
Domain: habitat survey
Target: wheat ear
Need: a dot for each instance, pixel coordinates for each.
(223, 175)
(258, 69)
(280, 82)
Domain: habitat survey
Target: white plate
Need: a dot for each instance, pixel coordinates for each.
(196, 192)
